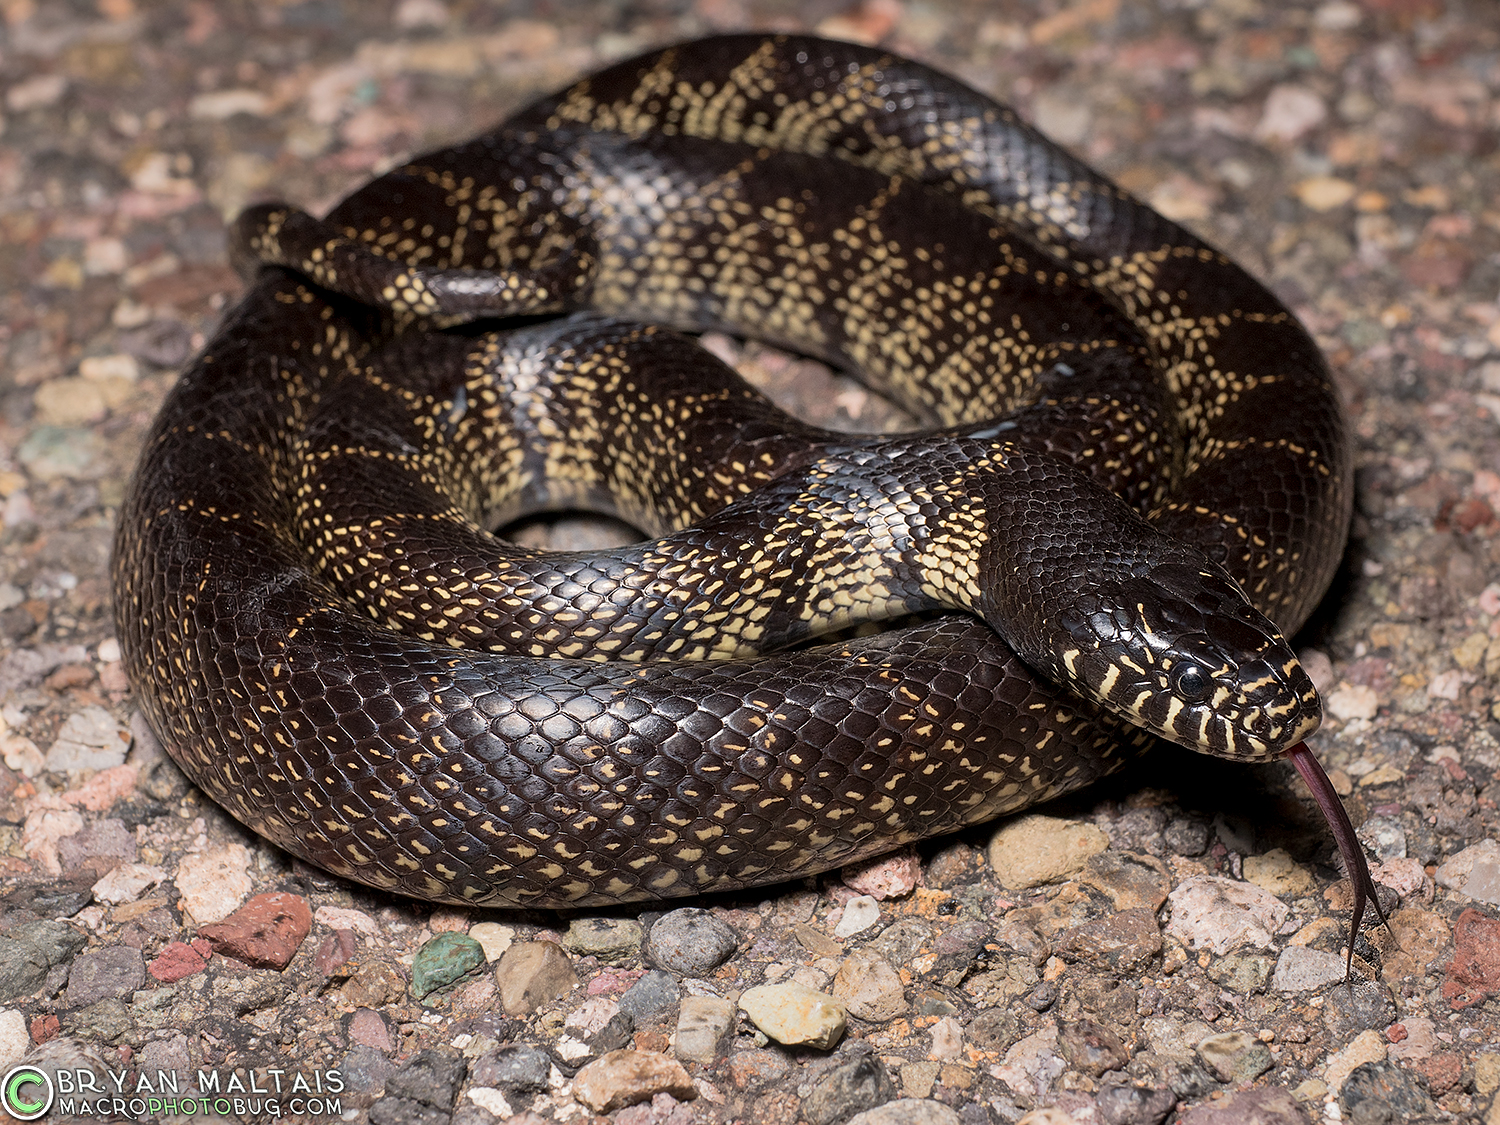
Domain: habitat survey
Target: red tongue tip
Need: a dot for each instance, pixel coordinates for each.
(1344, 835)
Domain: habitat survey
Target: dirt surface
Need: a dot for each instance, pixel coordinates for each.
(1345, 151)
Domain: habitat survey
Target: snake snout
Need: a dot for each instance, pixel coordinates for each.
(1188, 658)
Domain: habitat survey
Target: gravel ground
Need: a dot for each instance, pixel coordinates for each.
(1182, 957)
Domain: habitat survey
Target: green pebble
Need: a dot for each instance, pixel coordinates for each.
(442, 961)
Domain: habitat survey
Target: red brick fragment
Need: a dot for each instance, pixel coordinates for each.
(178, 960)
(266, 932)
(1474, 973)
(44, 1028)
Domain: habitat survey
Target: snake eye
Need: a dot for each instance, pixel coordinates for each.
(1193, 683)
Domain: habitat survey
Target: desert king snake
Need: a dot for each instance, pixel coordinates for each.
(333, 647)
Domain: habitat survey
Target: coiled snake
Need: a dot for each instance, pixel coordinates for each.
(333, 647)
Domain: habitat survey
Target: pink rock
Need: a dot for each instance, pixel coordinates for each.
(626, 1077)
(266, 932)
(369, 1028)
(1474, 972)
(890, 876)
(176, 961)
(613, 980)
(103, 789)
(337, 948)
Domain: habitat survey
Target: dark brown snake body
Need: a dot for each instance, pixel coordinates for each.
(331, 645)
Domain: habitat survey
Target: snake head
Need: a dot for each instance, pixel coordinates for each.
(1180, 651)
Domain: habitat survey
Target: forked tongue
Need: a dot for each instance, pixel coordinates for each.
(1343, 835)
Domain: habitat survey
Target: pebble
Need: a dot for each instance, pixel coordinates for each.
(1117, 943)
(1279, 874)
(918, 1078)
(656, 992)
(368, 1027)
(1091, 1047)
(43, 830)
(592, 1016)
(127, 883)
(265, 932)
(101, 844)
(888, 877)
(493, 938)
(690, 942)
(703, 1025)
(757, 1067)
(35, 92)
(103, 1021)
(1235, 1056)
(860, 913)
(1418, 1040)
(1036, 850)
(1032, 1063)
(101, 791)
(796, 1015)
(213, 882)
(487, 1106)
(613, 940)
(442, 960)
(1355, 1004)
(849, 1088)
(91, 739)
(1300, 969)
(1483, 883)
(1268, 1105)
(1135, 1105)
(1131, 881)
(1168, 1036)
(29, 949)
(1454, 872)
(336, 949)
(63, 452)
(1324, 193)
(626, 1077)
(1218, 914)
(1389, 1088)
(1473, 973)
(1048, 1115)
(533, 973)
(365, 1071)
(104, 368)
(374, 984)
(815, 941)
(105, 974)
(1352, 701)
(1290, 111)
(518, 1068)
(1367, 1047)
(424, 1090)
(1241, 973)
(1385, 836)
(908, 1111)
(870, 986)
(947, 1036)
(15, 1039)
(71, 401)
(179, 960)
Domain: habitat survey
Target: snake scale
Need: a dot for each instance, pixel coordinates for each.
(1137, 481)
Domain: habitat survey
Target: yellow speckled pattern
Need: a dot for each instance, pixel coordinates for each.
(1140, 454)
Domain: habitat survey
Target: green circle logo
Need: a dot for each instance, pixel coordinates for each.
(27, 1093)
